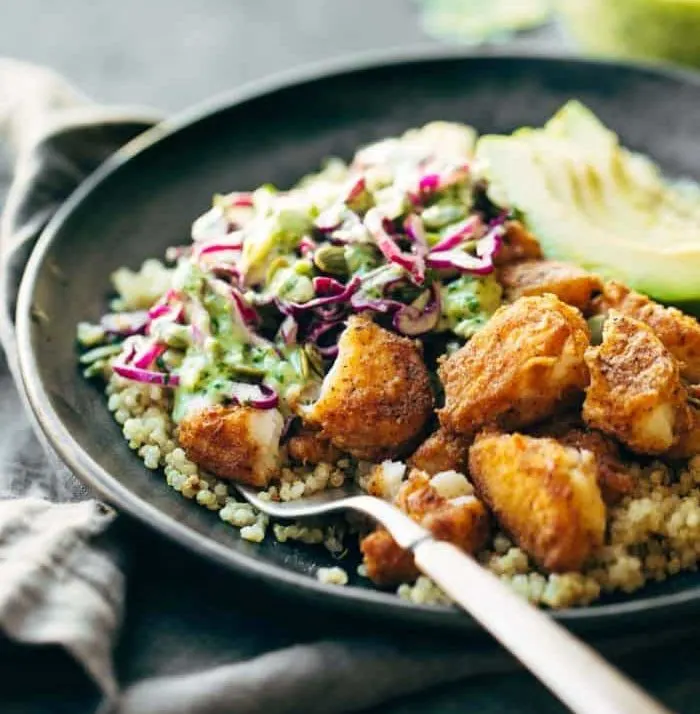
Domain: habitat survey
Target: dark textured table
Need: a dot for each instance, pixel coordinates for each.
(169, 54)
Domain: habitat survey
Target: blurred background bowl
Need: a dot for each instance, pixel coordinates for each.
(667, 30)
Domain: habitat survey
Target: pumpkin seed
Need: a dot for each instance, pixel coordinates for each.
(315, 359)
(246, 370)
(331, 259)
(595, 325)
(300, 362)
(275, 265)
(441, 215)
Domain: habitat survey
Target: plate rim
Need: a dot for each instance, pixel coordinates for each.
(109, 487)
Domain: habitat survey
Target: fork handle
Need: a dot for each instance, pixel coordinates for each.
(574, 672)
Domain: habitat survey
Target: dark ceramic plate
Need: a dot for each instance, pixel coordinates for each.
(145, 198)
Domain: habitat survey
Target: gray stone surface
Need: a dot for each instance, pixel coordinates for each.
(172, 53)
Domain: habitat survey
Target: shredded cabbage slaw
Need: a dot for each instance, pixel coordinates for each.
(270, 277)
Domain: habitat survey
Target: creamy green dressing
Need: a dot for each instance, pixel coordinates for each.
(318, 229)
(208, 370)
(468, 302)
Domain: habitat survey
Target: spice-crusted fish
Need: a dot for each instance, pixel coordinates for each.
(377, 397)
(459, 519)
(544, 494)
(523, 366)
(236, 442)
(571, 284)
(635, 393)
(679, 333)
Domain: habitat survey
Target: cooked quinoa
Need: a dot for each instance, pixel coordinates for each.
(332, 576)
(653, 533)
(144, 414)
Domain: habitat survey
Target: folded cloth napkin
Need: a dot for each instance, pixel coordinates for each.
(61, 566)
(55, 588)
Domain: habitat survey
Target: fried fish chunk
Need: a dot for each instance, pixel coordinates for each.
(238, 442)
(441, 451)
(679, 333)
(544, 494)
(518, 244)
(376, 398)
(571, 284)
(385, 479)
(309, 447)
(635, 393)
(523, 366)
(688, 444)
(614, 479)
(461, 520)
(385, 561)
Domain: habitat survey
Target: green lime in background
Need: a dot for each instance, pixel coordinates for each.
(474, 21)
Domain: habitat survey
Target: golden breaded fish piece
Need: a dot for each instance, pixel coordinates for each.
(614, 478)
(518, 244)
(385, 561)
(384, 480)
(635, 393)
(237, 442)
(376, 398)
(309, 447)
(441, 451)
(680, 333)
(689, 438)
(462, 520)
(571, 284)
(523, 366)
(544, 494)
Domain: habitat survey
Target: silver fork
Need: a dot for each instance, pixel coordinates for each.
(574, 672)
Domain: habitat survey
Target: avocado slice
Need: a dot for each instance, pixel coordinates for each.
(592, 202)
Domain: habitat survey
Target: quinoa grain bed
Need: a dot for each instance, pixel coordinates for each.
(653, 532)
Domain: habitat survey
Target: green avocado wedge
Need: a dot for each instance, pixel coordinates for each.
(592, 202)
